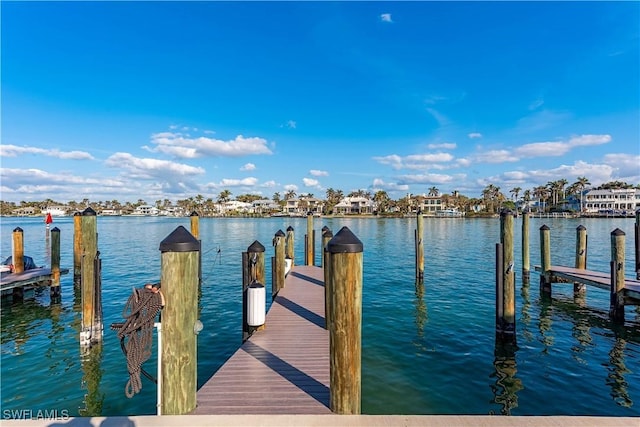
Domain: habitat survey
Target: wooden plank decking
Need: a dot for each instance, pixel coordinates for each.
(595, 278)
(283, 369)
(35, 277)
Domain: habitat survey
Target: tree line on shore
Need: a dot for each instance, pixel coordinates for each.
(552, 196)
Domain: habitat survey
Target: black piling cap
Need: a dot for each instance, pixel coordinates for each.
(55, 230)
(327, 233)
(180, 240)
(256, 247)
(18, 230)
(309, 213)
(88, 212)
(419, 212)
(289, 228)
(194, 213)
(617, 232)
(581, 227)
(344, 242)
(77, 213)
(506, 211)
(324, 228)
(544, 228)
(279, 233)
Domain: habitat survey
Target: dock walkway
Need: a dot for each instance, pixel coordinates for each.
(597, 279)
(40, 276)
(284, 368)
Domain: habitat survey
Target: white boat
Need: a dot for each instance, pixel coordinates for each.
(448, 213)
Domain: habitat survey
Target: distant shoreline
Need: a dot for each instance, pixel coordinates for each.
(565, 215)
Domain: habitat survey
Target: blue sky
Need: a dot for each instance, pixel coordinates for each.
(163, 100)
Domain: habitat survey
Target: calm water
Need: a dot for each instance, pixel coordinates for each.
(426, 349)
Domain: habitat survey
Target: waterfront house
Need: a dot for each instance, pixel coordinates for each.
(354, 206)
(58, 210)
(264, 206)
(618, 200)
(146, 210)
(301, 206)
(429, 205)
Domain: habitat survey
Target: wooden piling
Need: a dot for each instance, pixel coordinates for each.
(419, 246)
(508, 278)
(54, 290)
(278, 267)
(345, 332)
(17, 259)
(581, 258)
(309, 243)
(17, 256)
(327, 235)
(526, 264)
(289, 245)
(616, 308)
(179, 280)
(323, 244)
(91, 330)
(637, 243)
(195, 231)
(499, 292)
(545, 260)
(77, 248)
(252, 271)
(195, 224)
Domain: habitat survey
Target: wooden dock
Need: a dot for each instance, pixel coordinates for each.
(595, 278)
(284, 368)
(35, 277)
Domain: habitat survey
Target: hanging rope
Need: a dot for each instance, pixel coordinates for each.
(136, 333)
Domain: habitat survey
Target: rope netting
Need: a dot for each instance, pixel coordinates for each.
(136, 333)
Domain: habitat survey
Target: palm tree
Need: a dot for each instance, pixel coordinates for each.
(224, 196)
(542, 194)
(515, 191)
(580, 184)
(289, 194)
(526, 197)
(492, 196)
(381, 198)
(433, 192)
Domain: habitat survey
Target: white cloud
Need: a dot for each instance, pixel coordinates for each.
(386, 17)
(145, 168)
(309, 182)
(269, 184)
(443, 146)
(539, 149)
(392, 160)
(291, 124)
(291, 187)
(558, 148)
(15, 151)
(474, 135)
(625, 167)
(315, 172)
(248, 167)
(379, 184)
(495, 156)
(178, 145)
(250, 181)
(582, 140)
(416, 161)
